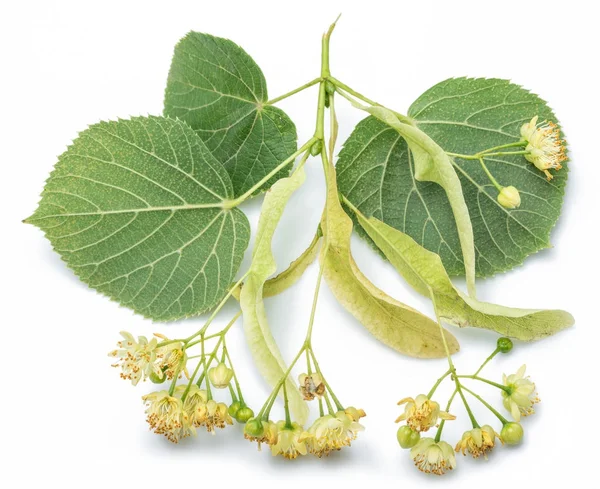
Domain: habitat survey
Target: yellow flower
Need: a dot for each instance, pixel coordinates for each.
(220, 376)
(170, 358)
(521, 397)
(165, 416)
(288, 441)
(509, 197)
(433, 457)
(137, 359)
(422, 413)
(546, 149)
(311, 386)
(331, 432)
(194, 405)
(478, 441)
(214, 415)
(261, 432)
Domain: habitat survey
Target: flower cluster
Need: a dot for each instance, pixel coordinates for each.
(435, 456)
(328, 433)
(177, 412)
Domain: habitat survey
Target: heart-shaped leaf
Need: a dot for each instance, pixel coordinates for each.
(377, 174)
(135, 208)
(218, 89)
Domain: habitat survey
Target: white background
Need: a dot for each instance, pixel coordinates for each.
(68, 421)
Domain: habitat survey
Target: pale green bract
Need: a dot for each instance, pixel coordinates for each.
(393, 323)
(135, 209)
(377, 174)
(218, 89)
(258, 334)
(424, 271)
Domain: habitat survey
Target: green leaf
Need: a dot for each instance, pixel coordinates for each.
(395, 324)
(218, 89)
(425, 272)
(135, 208)
(258, 334)
(377, 174)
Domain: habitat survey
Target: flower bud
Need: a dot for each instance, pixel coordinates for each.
(329, 87)
(156, 379)
(244, 414)
(407, 437)
(509, 197)
(234, 408)
(512, 433)
(254, 428)
(220, 376)
(315, 149)
(504, 345)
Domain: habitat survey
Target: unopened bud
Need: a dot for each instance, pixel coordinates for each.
(220, 376)
(509, 197)
(512, 433)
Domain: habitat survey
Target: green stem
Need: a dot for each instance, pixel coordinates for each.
(487, 405)
(438, 434)
(235, 379)
(338, 404)
(293, 92)
(494, 353)
(439, 381)
(288, 421)
(490, 176)
(504, 146)
(481, 379)
(342, 87)
(230, 204)
(314, 303)
(450, 363)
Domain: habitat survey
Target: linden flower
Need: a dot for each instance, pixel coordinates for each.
(166, 416)
(213, 415)
(170, 358)
(478, 441)
(289, 443)
(521, 396)
(546, 149)
(311, 386)
(433, 457)
(137, 359)
(422, 413)
(261, 432)
(194, 405)
(331, 432)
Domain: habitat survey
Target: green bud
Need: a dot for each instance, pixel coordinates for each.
(244, 414)
(509, 197)
(234, 408)
(254, 427)
(329, 87)
(327, 100)
(512, 433)
(407, 437)
(155, 379)
(504, 345)
(316, 148)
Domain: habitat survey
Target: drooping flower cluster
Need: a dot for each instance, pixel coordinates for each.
(546, 150)
(328, 433)
(434, 456)
(175, 418)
